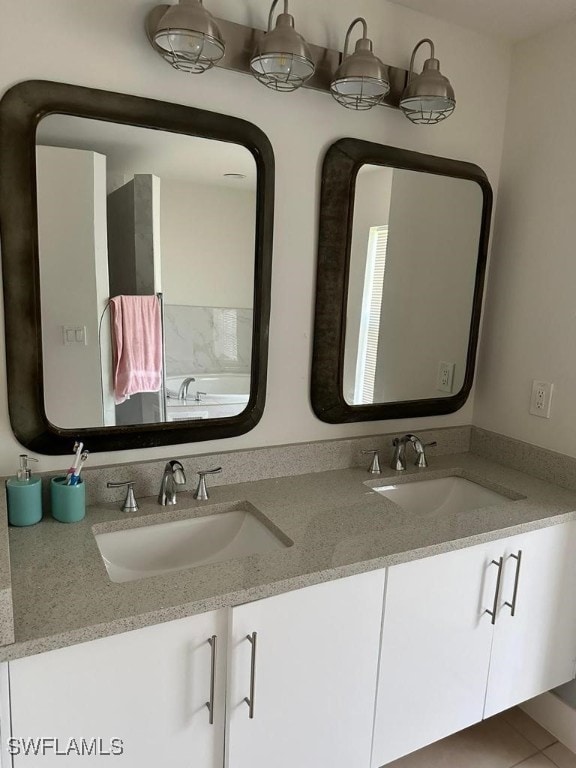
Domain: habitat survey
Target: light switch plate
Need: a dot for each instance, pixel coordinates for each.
(74, 335)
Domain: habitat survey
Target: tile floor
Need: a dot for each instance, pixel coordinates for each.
(509, 739)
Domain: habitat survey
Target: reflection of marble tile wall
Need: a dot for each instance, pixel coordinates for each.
(207, 339)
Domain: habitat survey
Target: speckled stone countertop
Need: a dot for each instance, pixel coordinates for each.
(62, 593)
(6, 614)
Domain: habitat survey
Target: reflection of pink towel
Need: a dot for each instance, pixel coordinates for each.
(137, 345)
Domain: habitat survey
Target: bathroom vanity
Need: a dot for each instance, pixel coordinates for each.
(311, 654)
(323, 620)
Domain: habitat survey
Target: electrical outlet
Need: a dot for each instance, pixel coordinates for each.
(445, 382)
(541, 399)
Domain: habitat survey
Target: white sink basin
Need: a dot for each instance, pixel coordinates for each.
(136, 553)
(445, 494)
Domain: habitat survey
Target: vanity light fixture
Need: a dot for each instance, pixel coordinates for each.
(186, 35)
(191, 39)
(361, 80)
(283, 60)
(428, 98)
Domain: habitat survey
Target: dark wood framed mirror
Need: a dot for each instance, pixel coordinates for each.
(403, 242)
(160, 212)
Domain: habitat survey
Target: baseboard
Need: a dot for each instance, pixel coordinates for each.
(555, 715)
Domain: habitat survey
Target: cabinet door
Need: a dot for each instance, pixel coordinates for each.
(147, 688)
(435, 649)
(315, 666)
(535, 649)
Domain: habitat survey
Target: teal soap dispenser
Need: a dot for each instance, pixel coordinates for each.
(24, 495)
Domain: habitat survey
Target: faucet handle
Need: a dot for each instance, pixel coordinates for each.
(201, 492)
(130, 504)
(375, 465)
(421, 459)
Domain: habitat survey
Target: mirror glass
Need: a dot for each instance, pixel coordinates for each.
(146, 253)
(413, 261)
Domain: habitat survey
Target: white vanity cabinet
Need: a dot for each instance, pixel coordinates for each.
(534, 650)
(445, 664)
(312, 686)
(148, 688)
(350, 673)
(435, 649)
(311, 676)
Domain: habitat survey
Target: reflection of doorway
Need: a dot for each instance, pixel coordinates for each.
(371, 314)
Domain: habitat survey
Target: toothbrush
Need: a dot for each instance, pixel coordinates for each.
(74, 468)
(75, 479)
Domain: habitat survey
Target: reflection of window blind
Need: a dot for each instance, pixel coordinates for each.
(371, 314)
(226, 334)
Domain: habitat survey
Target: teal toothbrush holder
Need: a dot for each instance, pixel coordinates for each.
(68, 501)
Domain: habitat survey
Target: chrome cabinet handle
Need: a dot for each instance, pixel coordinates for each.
(512, 605)
(250, 699)
(210, 704)
(492, 613)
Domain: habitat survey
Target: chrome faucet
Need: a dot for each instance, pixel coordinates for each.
(399, 457)
(173, 476)
(130, 504)
(374, 468)
(183, 391)
(201, 492)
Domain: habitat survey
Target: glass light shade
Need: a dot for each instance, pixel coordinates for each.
(282, 61)
(361, 81)
(281, 71)
(188, 37)
(429, 97)
(360, 93)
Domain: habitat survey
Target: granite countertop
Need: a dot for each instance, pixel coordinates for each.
(62, 593)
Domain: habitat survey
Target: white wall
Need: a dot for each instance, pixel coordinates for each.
(102, 44)
(429, 284)
(72, 218)
(207, 238)
(530, 321)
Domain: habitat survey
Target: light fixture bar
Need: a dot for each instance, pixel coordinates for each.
(241, 43)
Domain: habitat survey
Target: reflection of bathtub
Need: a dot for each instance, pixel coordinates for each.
(226, 395)
(213, 383)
